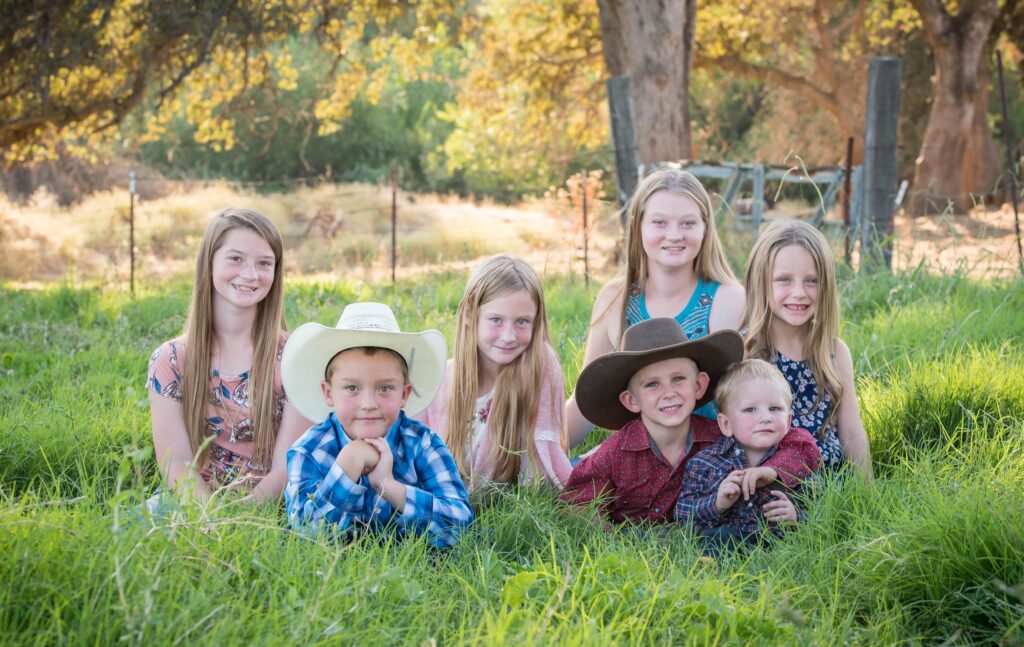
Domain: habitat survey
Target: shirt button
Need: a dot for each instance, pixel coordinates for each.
(656, 509)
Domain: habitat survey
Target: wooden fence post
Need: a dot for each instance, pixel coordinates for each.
(620, 107)
(880, 164)
(586, 259)
(847, 184)
(394, 220)
(131, 233)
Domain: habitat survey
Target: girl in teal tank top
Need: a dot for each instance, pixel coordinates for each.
(670, 242)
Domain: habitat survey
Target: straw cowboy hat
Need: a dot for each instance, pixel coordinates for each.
(643, 344)
(310, 348)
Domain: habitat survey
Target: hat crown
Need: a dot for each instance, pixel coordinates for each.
(368, 316)
(651, 334)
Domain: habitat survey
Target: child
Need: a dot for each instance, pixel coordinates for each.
(661, 377)
(791, 319)
(499, 409)
(675, 267)
(754, 416)
(368, 464)
(221, 379)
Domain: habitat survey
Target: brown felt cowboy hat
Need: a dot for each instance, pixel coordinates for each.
(654, 340)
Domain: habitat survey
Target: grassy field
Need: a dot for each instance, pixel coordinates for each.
(932, 553)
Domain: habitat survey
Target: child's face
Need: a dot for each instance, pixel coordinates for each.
(367, 392)
(242, 269)
(794, 286)
(757, 415)
(505, 328)
(666, 392)
(671, 230)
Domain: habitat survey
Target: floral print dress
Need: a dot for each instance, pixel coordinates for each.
(228, 419)
(809, 413)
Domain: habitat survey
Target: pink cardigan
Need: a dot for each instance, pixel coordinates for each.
(554, 467)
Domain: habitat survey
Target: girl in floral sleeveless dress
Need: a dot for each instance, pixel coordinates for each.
(221, 419)
(792, 320)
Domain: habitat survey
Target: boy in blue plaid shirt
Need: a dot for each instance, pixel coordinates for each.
(369, 465)
(728, 493)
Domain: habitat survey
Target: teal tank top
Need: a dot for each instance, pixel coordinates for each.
(693, 319)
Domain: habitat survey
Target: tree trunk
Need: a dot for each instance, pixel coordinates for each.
(651, 41)
(958, 164)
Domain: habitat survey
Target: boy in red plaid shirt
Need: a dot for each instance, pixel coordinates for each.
(754, 400)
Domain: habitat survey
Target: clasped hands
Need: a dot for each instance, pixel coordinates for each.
(370, 457)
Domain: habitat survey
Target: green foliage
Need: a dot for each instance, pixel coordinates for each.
(283, 141)
(931, 552)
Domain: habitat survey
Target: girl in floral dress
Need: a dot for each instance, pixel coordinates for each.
(220, 415)
(792, 319)
(499, 408)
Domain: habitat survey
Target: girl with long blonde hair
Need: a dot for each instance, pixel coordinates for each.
(674, 267)
(499, 408)
(791, 319)
(220, 414)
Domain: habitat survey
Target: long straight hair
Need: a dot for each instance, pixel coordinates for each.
(514, 409)
(822, 330)
(266, 331)
(710, 263)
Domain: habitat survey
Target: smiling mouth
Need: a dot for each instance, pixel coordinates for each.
(672, 408)
(244, 288)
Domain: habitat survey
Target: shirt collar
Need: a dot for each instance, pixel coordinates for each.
(637, 439)
(727, 446)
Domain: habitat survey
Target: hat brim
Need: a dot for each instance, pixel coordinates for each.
(601, 382)
(312, 345)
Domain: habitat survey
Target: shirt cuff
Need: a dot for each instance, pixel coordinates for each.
(348, 493)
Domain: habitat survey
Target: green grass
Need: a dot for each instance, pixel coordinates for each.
(933, 552)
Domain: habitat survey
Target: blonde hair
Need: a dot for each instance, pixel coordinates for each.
(747, 371)
(369, 351)
(199, 334)
(710, 263)
(823, 329)
(514, 409)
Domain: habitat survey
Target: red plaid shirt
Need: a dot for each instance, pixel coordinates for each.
(638, 484)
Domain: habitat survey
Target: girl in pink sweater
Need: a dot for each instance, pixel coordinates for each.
(499, 408)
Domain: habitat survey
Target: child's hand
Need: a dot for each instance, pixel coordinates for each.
(755, 477)
(382, 470)
(357, 459)
(729, 491)
(781, 509)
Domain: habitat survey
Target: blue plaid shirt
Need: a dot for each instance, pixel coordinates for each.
(709, 467)
(320, 494)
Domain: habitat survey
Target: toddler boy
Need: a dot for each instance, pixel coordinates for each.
(754, 402)
(648, 390)
(368, 464)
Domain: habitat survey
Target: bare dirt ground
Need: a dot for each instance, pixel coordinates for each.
(980, 244)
